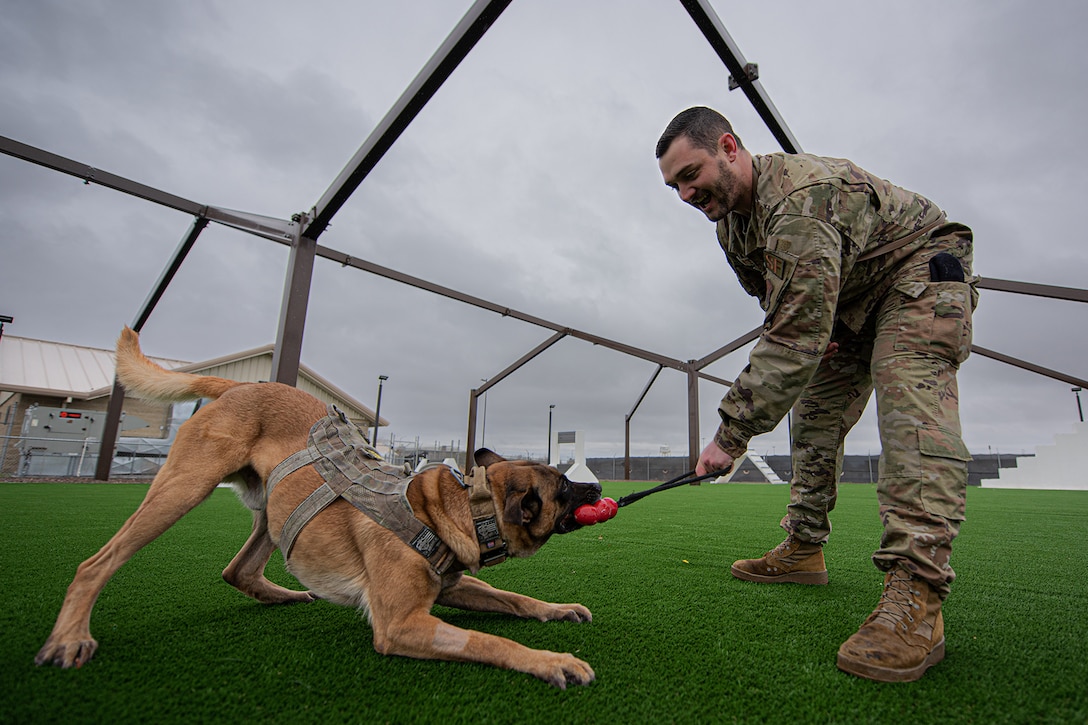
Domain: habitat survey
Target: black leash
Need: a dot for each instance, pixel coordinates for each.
(682, 480)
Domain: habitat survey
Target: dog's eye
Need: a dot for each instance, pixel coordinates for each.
(564, 491)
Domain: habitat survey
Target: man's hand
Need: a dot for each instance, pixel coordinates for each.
(713, 458)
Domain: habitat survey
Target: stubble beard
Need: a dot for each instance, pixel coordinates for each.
(724, 192)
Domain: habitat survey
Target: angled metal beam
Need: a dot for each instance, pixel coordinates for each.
(89, 174)
(167, 275)
(711, 26)
(1024, 365)
(278, 230)
(449, 55)
(346, 260)
(117, 395)
(1037, 290)
(727, 348)
(627, 425)
(470, 440)
(642, 396)
(714, 379)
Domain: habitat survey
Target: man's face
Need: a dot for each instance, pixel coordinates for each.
(704, 180)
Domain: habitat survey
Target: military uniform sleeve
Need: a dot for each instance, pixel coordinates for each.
(803, 270)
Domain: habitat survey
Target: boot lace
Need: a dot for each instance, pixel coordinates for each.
(781, 551)
(898, 602)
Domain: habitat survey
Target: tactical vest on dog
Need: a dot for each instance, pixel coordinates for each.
(354, 471)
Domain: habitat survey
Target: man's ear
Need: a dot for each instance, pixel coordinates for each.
(728, 145)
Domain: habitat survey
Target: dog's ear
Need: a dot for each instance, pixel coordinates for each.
(521, 507)
(486, 457)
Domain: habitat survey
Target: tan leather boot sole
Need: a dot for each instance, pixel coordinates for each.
(792, 577)
(887, 674)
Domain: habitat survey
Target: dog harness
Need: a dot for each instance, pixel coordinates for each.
(355, 471)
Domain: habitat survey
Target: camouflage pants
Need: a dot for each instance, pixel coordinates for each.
(908, 354)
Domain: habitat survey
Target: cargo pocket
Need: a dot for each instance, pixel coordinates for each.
(935, 318)
(944, 460)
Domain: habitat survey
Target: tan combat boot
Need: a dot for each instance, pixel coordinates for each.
(794, 561)
(902, 638)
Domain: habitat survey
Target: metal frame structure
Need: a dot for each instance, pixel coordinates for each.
(302, 231)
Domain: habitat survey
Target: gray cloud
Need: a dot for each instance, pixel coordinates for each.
(529, 180)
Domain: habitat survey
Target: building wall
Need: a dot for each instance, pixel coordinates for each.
(259, 369)
(13, 411)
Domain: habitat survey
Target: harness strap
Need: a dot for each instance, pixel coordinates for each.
(288, 466)
(311, 506)
(902, 241)
(336, 449)
(485, 519)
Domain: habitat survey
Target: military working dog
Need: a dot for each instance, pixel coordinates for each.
(342, 554)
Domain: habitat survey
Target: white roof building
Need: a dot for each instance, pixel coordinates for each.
(80, 375)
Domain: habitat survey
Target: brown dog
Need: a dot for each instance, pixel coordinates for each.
(341, 554)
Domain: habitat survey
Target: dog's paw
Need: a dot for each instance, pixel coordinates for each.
(570, 613)
(561, 669)
(66, 654)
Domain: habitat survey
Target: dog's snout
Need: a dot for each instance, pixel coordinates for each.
(587, 492)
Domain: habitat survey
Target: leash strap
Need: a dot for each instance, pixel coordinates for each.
(682, 480)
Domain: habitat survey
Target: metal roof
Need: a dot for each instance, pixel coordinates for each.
(58, 369)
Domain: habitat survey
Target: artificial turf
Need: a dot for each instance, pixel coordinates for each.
(674, 638)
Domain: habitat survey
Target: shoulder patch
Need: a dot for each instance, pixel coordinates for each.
(775, 264)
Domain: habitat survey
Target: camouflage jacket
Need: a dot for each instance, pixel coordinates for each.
(811, 220)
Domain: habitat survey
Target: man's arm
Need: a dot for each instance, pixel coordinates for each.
(803, 273)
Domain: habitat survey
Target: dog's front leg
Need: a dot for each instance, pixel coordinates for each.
(478, 596)
(423, 636)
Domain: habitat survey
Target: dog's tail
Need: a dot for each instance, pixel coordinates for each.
(144, 378)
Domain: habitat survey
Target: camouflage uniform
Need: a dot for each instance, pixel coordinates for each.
(898, 333)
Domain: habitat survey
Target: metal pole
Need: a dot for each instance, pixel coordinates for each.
(693, 417)
(550, 409)
(483, 424)
(627, 448)
(287, 353)
(378, 410)
(1080, 410)
(470, 440)
(109, 433)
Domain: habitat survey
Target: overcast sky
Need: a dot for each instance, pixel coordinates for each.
(529, 181)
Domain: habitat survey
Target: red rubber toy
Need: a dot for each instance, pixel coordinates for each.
(590, 514)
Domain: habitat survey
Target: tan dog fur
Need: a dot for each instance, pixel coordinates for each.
(341, 555)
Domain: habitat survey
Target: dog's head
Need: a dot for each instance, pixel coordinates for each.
(533, 500)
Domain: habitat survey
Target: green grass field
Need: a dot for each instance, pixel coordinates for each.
(674, 638)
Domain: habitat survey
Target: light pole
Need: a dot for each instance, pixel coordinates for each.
(550, 409)
(483, 431)
(1080, 410)
(378, 410)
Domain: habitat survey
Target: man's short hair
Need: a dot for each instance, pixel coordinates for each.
(701, 125)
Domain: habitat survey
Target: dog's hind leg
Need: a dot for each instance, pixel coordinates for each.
(246, 571)
(172, 494)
